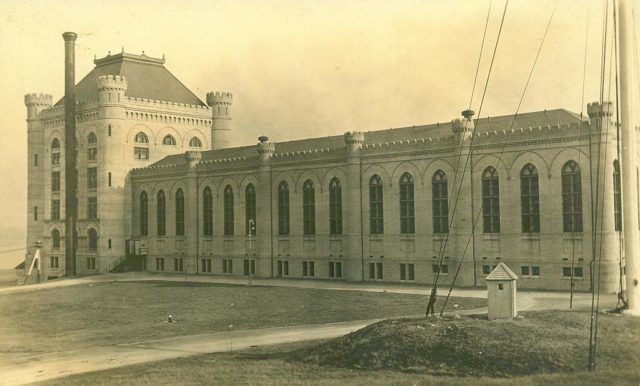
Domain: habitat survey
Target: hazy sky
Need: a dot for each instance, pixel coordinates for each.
(303, 68)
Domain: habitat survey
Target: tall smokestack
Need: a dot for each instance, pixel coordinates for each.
(70, 171)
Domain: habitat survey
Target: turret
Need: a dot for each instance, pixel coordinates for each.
(36, 103)
(599, 112)
(463, 128)
(220, 103)
(111, 90)
(265, 148)
(193, 158)
(354, 141)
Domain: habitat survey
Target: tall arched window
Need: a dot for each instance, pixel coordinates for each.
(141, 147)
(490, 201)
(92, 147)
(335, 207)
(179, 213)
(55, 239)
(440, 202)
(195, 142)
(207, 212)
(617, 199)
(283, 209)
(161, 214)
(228, 211)
(169, 140)
(529, 199)
(93, 240)
(407, 215)
(144, 214)
(571, 197)
(308, 208)
(376, 206)
(250, 209)
(55, 152)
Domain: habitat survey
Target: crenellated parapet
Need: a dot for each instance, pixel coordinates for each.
(599, 113)
(220, 103)
(354, 140)
(193, 158)
(36, 103)
(219, 98)
(117, 83)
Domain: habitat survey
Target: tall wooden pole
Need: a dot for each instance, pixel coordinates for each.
(629, 163)
(70, 210)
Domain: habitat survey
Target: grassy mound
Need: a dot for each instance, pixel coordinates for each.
(539, 342)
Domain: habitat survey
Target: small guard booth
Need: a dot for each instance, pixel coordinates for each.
(501, 292)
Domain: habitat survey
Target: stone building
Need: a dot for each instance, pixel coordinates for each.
(379, 205)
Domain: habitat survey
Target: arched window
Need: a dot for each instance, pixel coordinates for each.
(407, 218)
(376, 206)
(93, 240)
(308, 208)
(571, 197)
(250, 209)
(440, 202)
(55, 152)
(141, 138)
(169, 140)
(335, 207)
(179, 213)
(529, 199)
(195, 142)
(283, 209)
(55, 239)
(228, 211)
(207, 212)
(92, 147)
(617, 200)
(490, 201)
(144, 214)
(141, 148)
(160, 214)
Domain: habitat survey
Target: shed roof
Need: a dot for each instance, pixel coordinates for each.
(501, 272)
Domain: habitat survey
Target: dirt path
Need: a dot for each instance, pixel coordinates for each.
(34, 368)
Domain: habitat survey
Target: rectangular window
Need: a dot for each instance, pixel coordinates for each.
(372, 270)
(305, 270)
(178, 265)
(332, 269)
(500, 286)
(249, 267)
(160, 264)
(566, 271)
(279, 268)
(524, 270)
(35, 160)
(486, 269)
(434, 268)
(55, 210)
(286, 268)
(141, 153)
(311, 269)
(55, 159)
(53, 261)
(92, 153)
(35, 213)
(91, 263)
(338, 269)
(411, 272)
(445, 269)
(535, 270)
(206, 265)
(92, 178)
(578, 272)
(403, 272)
(227, 266)
(92, 208)
(379, 271)
(109, 179)
(55, 181)
(109, 243)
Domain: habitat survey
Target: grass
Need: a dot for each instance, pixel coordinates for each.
(98, 314)
(289, 364)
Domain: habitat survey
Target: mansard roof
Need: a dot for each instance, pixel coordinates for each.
(505, 122)
(147, 78)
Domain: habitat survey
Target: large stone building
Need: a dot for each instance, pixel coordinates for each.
(159, 190)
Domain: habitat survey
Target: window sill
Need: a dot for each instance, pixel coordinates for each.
(439, 236)
(335, 237)
(490, 236)
(284, 237)
(574, 278)
(309, 238)
(572, 236)
(530, 236)
(408, 236)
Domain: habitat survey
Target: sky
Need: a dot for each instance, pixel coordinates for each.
(302, 68)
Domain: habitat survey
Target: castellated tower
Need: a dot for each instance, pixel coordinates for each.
(111, 89)
(220, 103)
(36, 165)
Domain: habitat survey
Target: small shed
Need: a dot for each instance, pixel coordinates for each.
(501, 292)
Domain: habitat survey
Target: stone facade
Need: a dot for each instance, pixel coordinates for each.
(394, 205)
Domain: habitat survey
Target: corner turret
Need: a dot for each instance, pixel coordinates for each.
(111, 88)
(193, 158)
(463, 128)
(220, 103)
(599, 112)
(36, 103)
(354, 141)
(265, 148)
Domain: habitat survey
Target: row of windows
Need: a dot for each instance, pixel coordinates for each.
(529, 199)
(141, 148)
(92, 150)
(92, 237)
